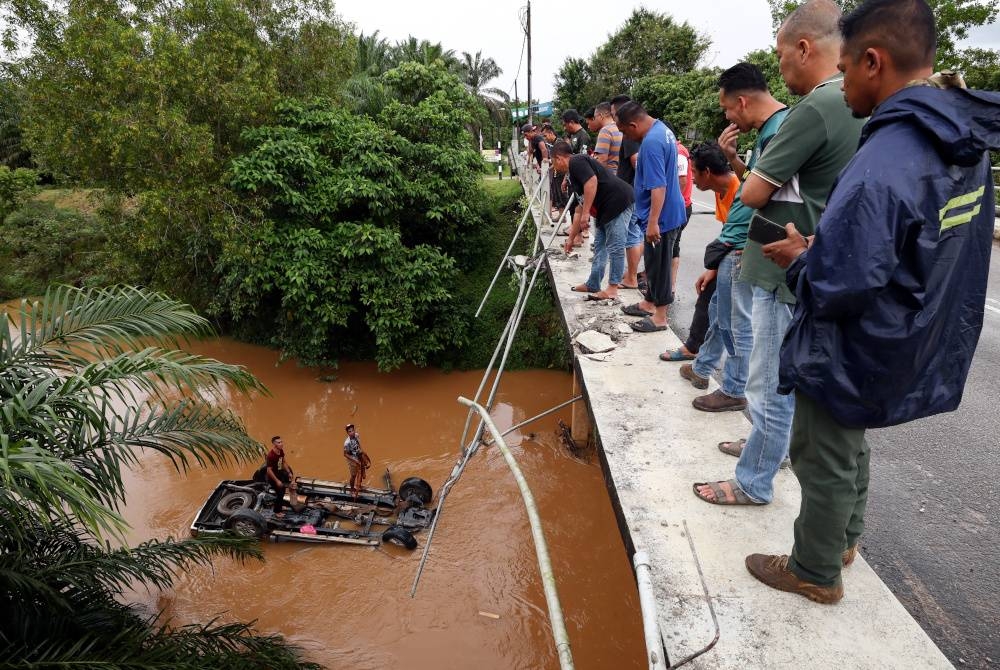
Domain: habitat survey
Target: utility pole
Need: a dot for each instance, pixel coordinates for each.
(517, 105)
(530, 115)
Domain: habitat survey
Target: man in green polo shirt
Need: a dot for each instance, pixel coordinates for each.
(790, 183)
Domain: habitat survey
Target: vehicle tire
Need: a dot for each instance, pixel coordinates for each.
(400, 536)
(416, 487)
(233, 501)
(247, 523)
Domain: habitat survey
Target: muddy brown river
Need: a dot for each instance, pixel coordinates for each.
(348, 606)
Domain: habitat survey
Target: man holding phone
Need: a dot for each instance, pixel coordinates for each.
(891, 290)
(790, 182)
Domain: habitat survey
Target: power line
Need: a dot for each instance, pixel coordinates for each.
(519, 63)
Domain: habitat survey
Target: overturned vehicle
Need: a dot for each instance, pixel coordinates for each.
(318, 510)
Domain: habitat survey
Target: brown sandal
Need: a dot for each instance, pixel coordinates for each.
(733, 448)
(722, 498)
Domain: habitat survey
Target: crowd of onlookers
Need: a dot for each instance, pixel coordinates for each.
(846, 287)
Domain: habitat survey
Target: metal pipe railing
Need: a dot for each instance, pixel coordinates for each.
(510, 247)
(541, 548)
(650, 619)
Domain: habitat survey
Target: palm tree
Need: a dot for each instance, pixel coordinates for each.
(422, 51)
(477, 72)
(374, 55)
(88, 380)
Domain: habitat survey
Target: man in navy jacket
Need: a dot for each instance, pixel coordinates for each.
(892, 288)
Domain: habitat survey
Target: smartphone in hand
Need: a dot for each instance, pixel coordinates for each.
(764, 231)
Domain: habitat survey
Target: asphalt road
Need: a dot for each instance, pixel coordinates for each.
(933, 521)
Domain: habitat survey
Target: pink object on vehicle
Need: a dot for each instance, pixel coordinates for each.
(308, 529)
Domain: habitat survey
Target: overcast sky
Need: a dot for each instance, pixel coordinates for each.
(568, 28)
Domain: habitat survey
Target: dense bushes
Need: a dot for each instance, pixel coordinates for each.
(363, 220)
(42, 244)
(16, 186)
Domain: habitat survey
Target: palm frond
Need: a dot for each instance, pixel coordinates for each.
(71, 326)
(32, 476)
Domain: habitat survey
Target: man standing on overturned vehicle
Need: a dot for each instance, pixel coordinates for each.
(357, 460)
(279, 472)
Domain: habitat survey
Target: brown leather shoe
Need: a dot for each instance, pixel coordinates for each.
(849, 555)
(773, 571)
(717, 401)
(697, 381)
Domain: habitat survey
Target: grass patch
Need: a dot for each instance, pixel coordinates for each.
(85, 201)
(540, 341)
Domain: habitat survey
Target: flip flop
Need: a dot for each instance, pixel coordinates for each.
(736, 449)
(646, 326)
(733, 448)
(675, 355)
(635, 310)
(739, 498)
(576, 289)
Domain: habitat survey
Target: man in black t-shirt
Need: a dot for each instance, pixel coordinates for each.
(611, 202)
(536, 145)
(577, 135)
(557, 197)
(634, 236)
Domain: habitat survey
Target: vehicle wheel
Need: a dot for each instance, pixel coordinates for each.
(400, 536)
(234, 501)
(247, 523)
(416, 487)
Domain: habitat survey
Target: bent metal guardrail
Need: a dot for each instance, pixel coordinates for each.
(541, 547)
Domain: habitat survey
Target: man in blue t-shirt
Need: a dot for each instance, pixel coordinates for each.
(659, 207)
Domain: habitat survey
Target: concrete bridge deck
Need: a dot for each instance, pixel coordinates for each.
(653, 445)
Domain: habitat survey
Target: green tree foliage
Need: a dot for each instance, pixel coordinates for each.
(981, 68)
(649, 43)
(954, 19)
(689, 101)
(135, 97)
(477, 72)
(413, 50)
(88, 381)
(574, 85)
(148, 101)
(13, 152)
(365, 218)
(16, 186)
(41, 244)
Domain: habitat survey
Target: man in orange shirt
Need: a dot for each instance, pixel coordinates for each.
(729, 333)
(724, 186)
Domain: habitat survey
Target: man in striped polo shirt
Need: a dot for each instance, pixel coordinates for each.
(609, 138)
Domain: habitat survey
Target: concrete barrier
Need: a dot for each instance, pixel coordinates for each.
(653, 445)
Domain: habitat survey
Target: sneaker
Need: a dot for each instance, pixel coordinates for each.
(773, 571)
(697, 381)
(717, 401)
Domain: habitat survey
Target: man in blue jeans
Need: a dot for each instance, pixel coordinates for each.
(790, 182)
(729, 335)
(611, 200)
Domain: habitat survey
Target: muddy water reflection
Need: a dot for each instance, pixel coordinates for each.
(350, 606)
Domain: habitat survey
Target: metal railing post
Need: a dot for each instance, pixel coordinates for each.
(650, 619)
